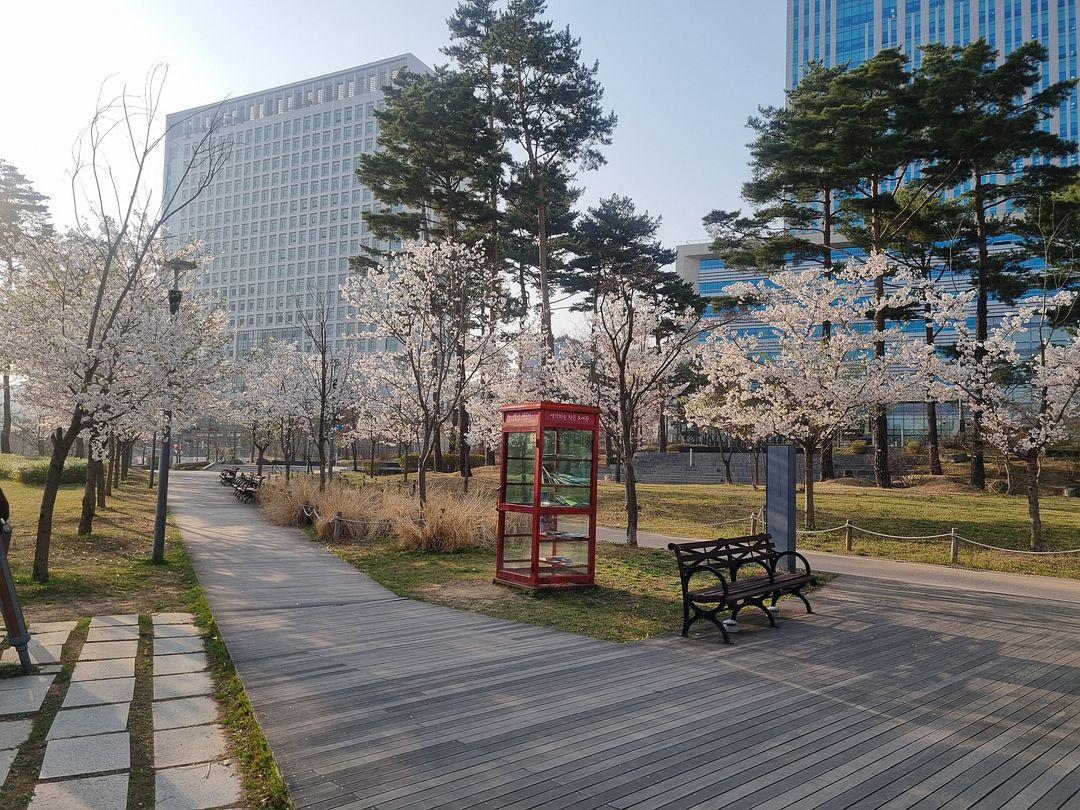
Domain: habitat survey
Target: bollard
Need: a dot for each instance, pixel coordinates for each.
(849, 532)
(954, 550)
(337, 526)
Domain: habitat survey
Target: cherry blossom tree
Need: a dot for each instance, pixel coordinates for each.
(778, 376)
(434, 360)
(633, 350)
(1027, 396)
(69, 305)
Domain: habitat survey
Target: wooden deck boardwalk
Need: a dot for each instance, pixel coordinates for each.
(913, 698)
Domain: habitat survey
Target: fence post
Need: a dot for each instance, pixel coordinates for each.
(954, 547)
(849, 532)
(753, 523)
(337, 526)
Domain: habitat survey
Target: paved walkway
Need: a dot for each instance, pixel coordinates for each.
(88, 754)
(968, 579)
(884, 698)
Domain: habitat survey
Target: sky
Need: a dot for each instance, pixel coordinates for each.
(682, 76)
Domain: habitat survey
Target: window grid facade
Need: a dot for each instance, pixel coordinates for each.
(286, 212)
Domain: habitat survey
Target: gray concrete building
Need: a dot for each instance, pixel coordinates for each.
(278, 224)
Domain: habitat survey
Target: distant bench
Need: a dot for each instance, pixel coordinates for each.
(246, 487)
(720, 563)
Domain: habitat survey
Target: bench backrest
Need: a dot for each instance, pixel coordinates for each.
(725, 554)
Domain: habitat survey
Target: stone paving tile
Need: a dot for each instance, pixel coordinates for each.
(128, 632)
(108, 649)
(90, 693)
(6, 758)
(13, 733)
(92, 793)
(173, 618)
(198, 787)
(192, 711)
(55, 639)
(186, 746)
(183, 685)
(85, 722)
(168, 646)
(182, 662)
(51, 627)
(82, 755)
(100, 670)
(39, 653)
(114, 621)
(175, 630)
(26, 695)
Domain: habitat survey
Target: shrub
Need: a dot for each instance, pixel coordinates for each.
(912, 447)
(27, 470)
(451, 521)
(450, 461)
(859, 447)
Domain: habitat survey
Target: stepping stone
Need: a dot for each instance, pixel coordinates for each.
(172, 618)
(115, 621)
(176, 631)
(168, 646)
(192, 711)
(57, 639)
(92, 793)
(37, 628)
(92, 720)
(79, 755)
(175, 664)
(39, 654)
(100, 670)
(198, 787)
(14, 733)
(91, 693)
(183, 685)
(6, 758)
(125, 633)
(23, 693)
(108, 649)
(186, 746)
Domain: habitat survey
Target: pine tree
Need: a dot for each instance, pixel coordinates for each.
(23, 213)
(549, 104)
(985, 124)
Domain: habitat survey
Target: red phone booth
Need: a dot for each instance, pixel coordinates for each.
(547, 495)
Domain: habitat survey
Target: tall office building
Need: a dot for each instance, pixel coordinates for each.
(835, 32)
(286, 212)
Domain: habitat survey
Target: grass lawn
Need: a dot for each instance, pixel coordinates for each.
(689, 510)
(636, 593)
(109, 573)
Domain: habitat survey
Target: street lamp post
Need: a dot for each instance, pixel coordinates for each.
(176, 265)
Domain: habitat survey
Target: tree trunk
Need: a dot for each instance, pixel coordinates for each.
(5, 431)
(436, 450)
(755, 458)
(828, 468)
(125, 461)
(631, 502)
(982, 287)
(661, 437)
(99, 471)
(463, 447)
(61, 446)
(726, 458)
(86, 518)
(112, 466)
(809, 453)
(545, 297)
(932, 440)
(1032, 459)
(882, 476)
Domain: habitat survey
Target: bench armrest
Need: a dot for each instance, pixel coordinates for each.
(796, 555)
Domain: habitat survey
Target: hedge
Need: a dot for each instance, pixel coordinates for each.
(33, 470)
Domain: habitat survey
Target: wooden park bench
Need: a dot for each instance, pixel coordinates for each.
(228, 476)
(713, 580)
(246, 487)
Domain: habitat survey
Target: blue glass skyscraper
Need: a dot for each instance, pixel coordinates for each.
(835, 32)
